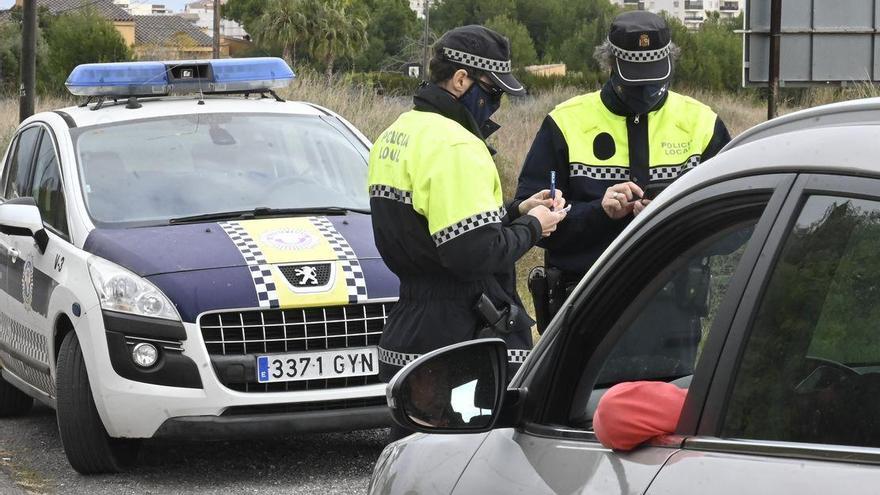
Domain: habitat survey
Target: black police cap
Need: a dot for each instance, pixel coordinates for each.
(640, 42)
(481, 48)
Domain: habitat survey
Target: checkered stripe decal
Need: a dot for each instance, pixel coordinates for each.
(640, 56)
(674, 171)
(517, 355)
(599, 173)
(487, 64)
(351, 267)
(260, 270)
(488, 217)
(395, 358)
(392, 193)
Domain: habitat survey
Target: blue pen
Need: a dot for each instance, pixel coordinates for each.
(552, 187)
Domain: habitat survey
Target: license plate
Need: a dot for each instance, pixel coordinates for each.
(361, 361)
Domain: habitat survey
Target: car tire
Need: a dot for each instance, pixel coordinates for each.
(89, 449)
(13, 402)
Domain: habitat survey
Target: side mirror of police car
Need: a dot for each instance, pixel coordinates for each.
(21, 217)
(456, 389)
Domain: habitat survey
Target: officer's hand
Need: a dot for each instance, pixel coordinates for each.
(640, 206)
(542, 198)
(549, 219)
(618, 199)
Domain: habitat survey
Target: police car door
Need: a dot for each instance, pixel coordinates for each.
(24, 345)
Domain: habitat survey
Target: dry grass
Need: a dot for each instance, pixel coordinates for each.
(520, 119)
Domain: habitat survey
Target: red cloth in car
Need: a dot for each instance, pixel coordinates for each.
(631, 413)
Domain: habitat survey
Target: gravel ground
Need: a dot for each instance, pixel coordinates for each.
(33, 461)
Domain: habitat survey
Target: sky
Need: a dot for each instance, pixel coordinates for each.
(175, 5)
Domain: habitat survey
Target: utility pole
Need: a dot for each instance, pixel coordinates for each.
(426, 5)
(773, 80)
(28, 60)
(216, 41)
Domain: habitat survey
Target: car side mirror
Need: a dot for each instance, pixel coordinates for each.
(21, 217)
(456, 389)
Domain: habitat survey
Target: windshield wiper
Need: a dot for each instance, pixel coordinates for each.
(266, 212)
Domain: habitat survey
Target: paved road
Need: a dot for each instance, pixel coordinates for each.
(31, 460)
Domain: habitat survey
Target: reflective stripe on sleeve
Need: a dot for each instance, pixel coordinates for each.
(468, 224)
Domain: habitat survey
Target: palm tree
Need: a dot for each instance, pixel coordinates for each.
(284, 23)
(335, 31)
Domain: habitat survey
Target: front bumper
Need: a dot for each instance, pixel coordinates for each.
(266, 425)
(134, 409)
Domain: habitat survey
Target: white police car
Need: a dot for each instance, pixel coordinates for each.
(194, 266)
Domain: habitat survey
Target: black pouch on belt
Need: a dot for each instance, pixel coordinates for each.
(500, 322)
(540, 290)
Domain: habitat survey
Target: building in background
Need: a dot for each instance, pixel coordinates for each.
(122, 20)
(137, 7)
(418, 7)
(201, 14)
(171, 37)
(691, 12)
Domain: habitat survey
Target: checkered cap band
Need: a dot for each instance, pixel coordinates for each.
(640, 56)
(599, 173)
(675, 171)
(392, 193)
(467, 225)
(477, 62)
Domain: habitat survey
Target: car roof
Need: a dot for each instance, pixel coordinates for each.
(842, 138)
(160, 107)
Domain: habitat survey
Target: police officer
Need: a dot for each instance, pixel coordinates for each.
(437, 211)
(614, 148)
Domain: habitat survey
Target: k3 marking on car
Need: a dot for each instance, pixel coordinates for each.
(196, 266)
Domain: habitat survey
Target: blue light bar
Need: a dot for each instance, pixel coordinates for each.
(180, 77)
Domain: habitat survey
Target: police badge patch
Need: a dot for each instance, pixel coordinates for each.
(27, 284)
(644, 41)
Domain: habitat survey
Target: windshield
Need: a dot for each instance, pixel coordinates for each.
(150, 171)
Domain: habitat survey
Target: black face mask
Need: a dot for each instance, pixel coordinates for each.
(641, 99)
(480, 103)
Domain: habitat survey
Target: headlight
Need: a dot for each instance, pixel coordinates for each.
(123, 291)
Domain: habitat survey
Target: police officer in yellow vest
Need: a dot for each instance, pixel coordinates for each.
(613, 149)
(437, 211)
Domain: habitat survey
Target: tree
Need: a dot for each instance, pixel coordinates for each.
(282, 23)
(81, 37)
(448, 14)
(392, 25)
(244, 12)
(521, 46)
(334, 32)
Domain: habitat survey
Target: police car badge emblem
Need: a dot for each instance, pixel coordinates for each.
(644, 41)
(27, 284)
(290, 239)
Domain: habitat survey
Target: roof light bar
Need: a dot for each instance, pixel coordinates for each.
(179, 77)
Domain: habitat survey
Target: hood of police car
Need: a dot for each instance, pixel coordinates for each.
(258, 263)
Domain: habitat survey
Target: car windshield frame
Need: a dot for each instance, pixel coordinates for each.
(327, 122)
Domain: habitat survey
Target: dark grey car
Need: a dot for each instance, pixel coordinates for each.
(753, 281)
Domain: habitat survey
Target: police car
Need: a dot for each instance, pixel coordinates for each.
(187, 254)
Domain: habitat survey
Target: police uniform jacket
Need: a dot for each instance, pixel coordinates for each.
(439, 224)
(593, 142)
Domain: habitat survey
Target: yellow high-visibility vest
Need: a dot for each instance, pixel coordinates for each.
(678, 133)
(446, 173)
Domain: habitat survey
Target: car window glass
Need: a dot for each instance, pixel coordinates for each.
(810, 371)
(46, 189)
(663, 339)
(20, 165)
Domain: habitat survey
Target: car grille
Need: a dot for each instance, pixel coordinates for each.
(235, 338)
